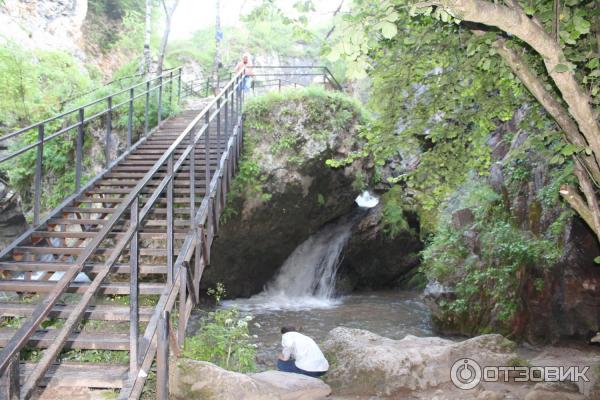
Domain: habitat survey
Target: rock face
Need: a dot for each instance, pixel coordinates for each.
(373, 260)
(558, 300)
(12, 220)
(363, 363)
(46, 24)
(191, 379)
(284, 191)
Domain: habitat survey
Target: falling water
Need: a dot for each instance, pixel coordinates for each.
(307, 278)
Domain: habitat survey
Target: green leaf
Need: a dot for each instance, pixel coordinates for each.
(597, 260)
(388, 29)
(561, 68)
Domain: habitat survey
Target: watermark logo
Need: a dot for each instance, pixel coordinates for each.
(467, 374)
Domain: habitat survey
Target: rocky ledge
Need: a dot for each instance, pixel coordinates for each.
(202, 380)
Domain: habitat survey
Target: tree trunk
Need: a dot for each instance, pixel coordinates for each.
(513, 20)
(147, 58)
(218, 37)
(165, 38)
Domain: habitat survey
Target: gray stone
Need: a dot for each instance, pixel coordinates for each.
(190, 379)
(363, 363)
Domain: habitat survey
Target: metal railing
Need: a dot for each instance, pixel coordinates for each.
(185, 272)
(293, 76)
(102, 110)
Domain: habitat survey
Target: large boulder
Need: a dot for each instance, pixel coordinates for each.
(190, 379)
(285, 191)
(363, 363)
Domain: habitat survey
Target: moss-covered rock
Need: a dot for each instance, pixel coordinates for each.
(285, 191)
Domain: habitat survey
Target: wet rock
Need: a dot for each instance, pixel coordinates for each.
(462, 218)
(12, 220)
(373, 259)
(363, 363)
(191, 379)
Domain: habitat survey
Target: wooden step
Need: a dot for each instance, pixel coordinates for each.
(35, 266)
(72, 374)
(97, 312)
(29, 286)
(79, 250)
(88, 341)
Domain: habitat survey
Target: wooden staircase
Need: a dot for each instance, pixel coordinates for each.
(180, 220)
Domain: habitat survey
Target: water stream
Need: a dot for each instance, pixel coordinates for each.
(302, 294)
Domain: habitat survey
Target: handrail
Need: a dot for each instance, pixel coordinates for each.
(321, 71)
(76, 120)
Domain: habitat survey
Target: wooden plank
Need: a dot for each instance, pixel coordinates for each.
(71, 374)
(77, 340)
(79, 250)
(97, 312)
(21, 285)
(34, 266)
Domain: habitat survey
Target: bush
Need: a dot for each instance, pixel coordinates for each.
(223, 339)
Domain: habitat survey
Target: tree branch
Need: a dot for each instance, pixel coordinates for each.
(590, 194)
(571, 195)
(515, 22)
(536, 87)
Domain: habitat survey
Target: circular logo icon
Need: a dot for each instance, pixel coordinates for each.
(465, 374)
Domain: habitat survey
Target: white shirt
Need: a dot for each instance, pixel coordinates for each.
(304, 351)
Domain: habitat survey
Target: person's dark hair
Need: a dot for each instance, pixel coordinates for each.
(286, 329)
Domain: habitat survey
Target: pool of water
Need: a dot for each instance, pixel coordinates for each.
(392, 314)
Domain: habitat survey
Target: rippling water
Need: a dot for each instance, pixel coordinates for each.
(392, 314)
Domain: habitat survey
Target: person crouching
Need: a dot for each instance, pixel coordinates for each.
(300, 354)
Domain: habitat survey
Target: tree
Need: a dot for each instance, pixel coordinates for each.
(561, 74)
(218, 37)
(147, 57)
(169, 10)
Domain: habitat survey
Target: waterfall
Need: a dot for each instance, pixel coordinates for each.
(307, 277)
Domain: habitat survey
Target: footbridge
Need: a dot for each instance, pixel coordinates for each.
(97, 293)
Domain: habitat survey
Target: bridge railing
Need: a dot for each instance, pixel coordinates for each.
(184, 273)
(266, 76)
(157, 95)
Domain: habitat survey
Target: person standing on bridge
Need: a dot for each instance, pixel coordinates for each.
(300, 354)
(244, 64)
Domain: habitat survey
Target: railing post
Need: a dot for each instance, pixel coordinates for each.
(206, 154)
(130, 119)
(226, 116)
(179, 86)
(279, 85)
(133, 293)
(9, 382)
(79, 150)
(182, 305)
(162, 357)
(160, 93)
(38, 176)
(108, 132)
(147, 108)
(171, 93)
(169, 246)
(218, 130)
(192, 177)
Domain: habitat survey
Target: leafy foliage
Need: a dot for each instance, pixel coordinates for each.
(223, 338)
